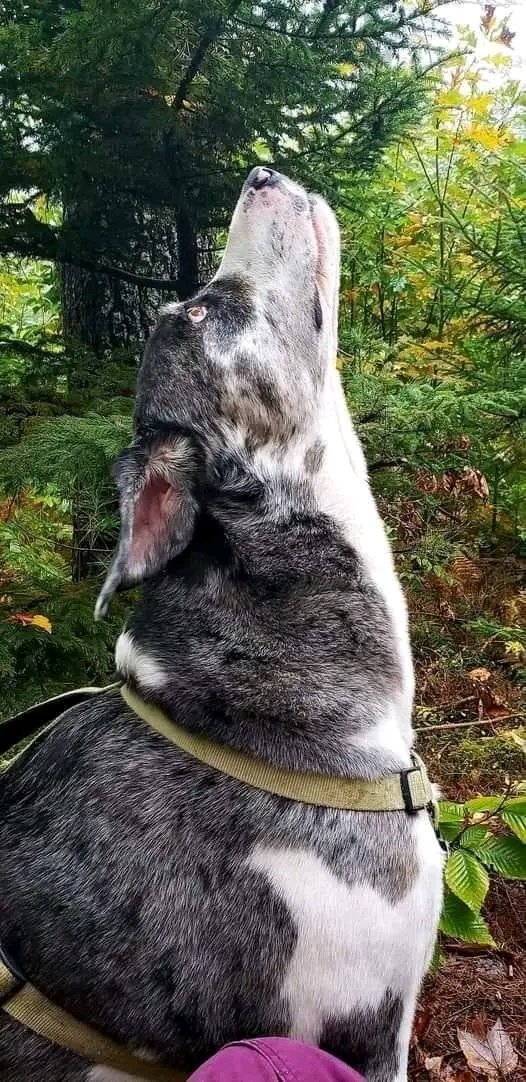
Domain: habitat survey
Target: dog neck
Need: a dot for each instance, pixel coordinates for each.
(282, 629)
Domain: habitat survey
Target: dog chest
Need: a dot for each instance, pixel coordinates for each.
(355, 945)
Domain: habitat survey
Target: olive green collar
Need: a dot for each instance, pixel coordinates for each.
(408, 791)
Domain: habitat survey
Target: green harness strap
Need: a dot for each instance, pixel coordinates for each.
(27, 1005)
(19, 732)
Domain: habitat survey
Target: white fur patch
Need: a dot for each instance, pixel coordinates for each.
(352, 944)
(101, 1073)
(109, 1074)
(130, 660)
(342, 492)
(385, 736)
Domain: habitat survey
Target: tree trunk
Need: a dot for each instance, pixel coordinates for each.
(102, 312)
(189, 277)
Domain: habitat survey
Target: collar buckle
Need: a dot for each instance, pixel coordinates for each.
(413, 788)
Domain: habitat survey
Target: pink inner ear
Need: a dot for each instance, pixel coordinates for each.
(156, 507)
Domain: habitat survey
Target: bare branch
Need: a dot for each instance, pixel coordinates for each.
(468, 724)
(167, 285)
(387, 464)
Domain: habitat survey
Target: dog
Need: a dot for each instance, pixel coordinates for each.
(166, 904)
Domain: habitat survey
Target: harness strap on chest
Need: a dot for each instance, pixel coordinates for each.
(19, 732)
(26, 1004)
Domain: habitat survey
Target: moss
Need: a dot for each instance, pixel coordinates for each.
(492, 752)
(489, 762)
(473, 765)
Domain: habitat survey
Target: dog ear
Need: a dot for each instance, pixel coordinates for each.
(157, 510)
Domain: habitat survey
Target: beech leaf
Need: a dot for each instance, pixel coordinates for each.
(494, 1055)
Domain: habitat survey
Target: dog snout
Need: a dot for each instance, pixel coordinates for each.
(262, 177)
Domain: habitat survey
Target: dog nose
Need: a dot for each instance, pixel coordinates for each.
(261, 177)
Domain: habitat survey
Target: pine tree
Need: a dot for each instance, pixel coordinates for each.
(139, 118)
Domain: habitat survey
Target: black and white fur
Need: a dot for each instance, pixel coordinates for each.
(167, 905)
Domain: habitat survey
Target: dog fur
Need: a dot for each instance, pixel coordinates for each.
(167, 905)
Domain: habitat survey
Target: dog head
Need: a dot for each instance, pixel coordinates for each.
(232, 381)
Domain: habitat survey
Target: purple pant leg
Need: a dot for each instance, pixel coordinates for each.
(273, 1059)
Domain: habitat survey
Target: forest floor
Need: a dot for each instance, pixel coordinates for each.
(475, 986)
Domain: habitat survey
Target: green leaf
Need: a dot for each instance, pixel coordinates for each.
(449, 812)
(459, 922)
(450, 831)
(484, 804)
(473, 836)
(467, 878)
(516, 823)
(517, 805)
(451, 817)
(505, 855)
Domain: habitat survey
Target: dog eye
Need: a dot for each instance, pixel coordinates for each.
(197, 313)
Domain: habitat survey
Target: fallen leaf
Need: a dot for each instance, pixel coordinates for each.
(516, 736)
(494, 1055)
(502, 1048)
(446, 610)
(433, 1065)
(43, 623)
(28, 619)
(474, 481)
(451, 1075)
(479, 676)
(477, 1052)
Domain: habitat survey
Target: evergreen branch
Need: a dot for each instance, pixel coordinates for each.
(208, 39)
(330, 8)
(17, 345)
(25, 234)
(370, 115)
(44, 244)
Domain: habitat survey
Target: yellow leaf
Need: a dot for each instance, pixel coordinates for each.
(486, 137)
(41, 622)
(449, 97)
(480, 103)
(500, 60)
(28, 620)
(515, 650)
(347, 69)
